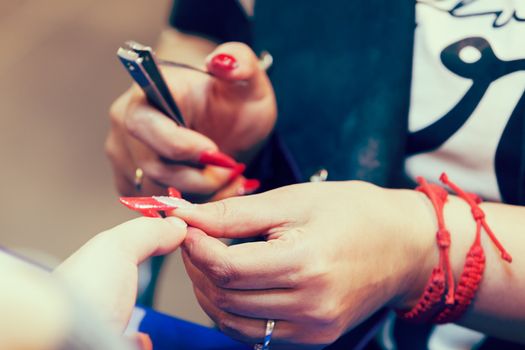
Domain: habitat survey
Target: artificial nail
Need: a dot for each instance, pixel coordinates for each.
(249, 186)
(217, 158)
(224, 61)
(173, 192)
(238, 170)
(172, 203)
(150, 206)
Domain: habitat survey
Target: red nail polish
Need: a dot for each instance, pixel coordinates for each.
(142, 203)
(152, 206)
(218, 159)
(224, 61)
(150, 213)
(147, 206)
(249, 186)
(238, 170)
(173, 192)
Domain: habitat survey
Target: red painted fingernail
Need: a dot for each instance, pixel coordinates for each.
(150, 213)
(173, 192)
(238, 170)
(224, 61)
(249, 186)
(218, 159)
(145, 204)
(142, 203)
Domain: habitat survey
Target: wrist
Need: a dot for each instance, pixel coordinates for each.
(417, 252)
(418, 227)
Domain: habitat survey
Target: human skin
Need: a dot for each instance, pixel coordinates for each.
(34, 309)
(234, 112)
(333, 253)
(403, 251)
(37, 309)
(111, 258)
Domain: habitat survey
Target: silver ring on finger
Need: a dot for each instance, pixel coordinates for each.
(265, 345)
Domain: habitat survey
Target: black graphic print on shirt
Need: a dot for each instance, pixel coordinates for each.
(471, 46)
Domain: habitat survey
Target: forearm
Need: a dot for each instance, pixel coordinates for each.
(499, 306)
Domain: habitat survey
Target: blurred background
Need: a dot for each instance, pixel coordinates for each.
(58, 76)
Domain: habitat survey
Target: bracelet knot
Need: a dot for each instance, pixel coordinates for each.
(477, 213)
(443, 238)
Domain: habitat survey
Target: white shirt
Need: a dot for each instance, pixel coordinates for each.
(468, 155)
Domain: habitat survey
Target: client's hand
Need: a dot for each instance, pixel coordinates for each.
(104, 270)
(333, 254)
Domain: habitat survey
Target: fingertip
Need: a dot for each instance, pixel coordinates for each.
(193, 234)
(193, 237)
(222, 65)
(177, 231)
(232, 61)
(177, 222)
(223, 61)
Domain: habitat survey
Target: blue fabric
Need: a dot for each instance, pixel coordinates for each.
(170, 333)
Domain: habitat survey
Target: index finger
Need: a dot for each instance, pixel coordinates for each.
(248, 216)
(164, 136)
(254, 265)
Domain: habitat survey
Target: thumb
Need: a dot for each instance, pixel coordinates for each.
(237, 217)
(234, 62)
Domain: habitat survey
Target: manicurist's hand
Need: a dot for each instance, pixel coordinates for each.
(332, 254)
(233, 112)
(104, 270)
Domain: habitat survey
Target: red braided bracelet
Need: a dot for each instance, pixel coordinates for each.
(431, 301)
(430, 306)
(475, 262)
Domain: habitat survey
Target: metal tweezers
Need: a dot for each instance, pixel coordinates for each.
(142, 65)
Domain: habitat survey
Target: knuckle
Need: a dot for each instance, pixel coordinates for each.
(227, 325)
(176, 152)
(110, 148)
(330, 315)
(154, 171)
(222, 275)
(220, 298)
(323, 315)
(134, 123)
(321, 337)
(221, 213)
(298, 277)
(115, 115)
(327, 336)
(313, 273)
(232, 327)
